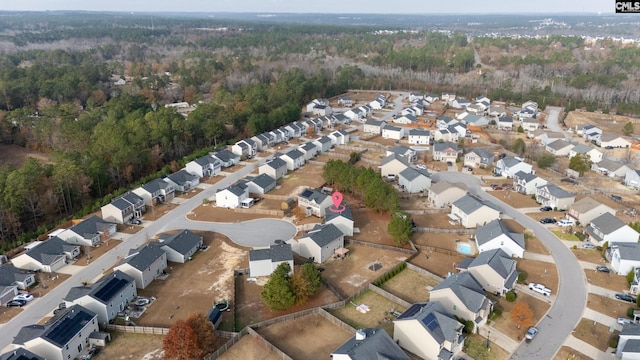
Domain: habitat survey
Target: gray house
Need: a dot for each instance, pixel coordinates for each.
(226, 157)
(321, 242)
(144, 264)
(20, 354)
(155, 192)
(275, 168)
(414, 180)
(294, 159)
(496, 235)
(494, 269)
(479, 158)
(464, 297)
(123, 209)
(263, 262)
(204, 166)
(12, 279)
(180, 246)
(260, 184)
(47, 256)
(554, 196)
(182, 180)
(89, 232)
(369, 344)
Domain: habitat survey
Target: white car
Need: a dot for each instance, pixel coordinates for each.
(539, 288)
(565, 222)
(421, 166)
(623, 321)
(24, 297)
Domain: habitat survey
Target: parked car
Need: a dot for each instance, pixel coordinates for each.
(135, 222)
(623, 321)
(616, 197)
(546, 208)
(449, 163)
(625, 297)
(547, 221)
(25, 297)
(421, 166)
(565, 222)
(531, 333)
(608, 147)
(588, 246)
(539, 288)
(16, 303)
(602, 268)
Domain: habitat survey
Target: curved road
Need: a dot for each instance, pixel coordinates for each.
(571, 299)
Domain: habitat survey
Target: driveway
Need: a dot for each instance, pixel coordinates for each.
(553, 121)
(571, 298)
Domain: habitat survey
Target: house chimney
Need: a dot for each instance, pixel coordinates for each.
(360, 335)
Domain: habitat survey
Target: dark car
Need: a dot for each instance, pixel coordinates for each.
(449, 163)
(626, 297)
(546, 208)
(604, 269)
(608, 147)
(547, 221)
(16, 303)
(616, 197)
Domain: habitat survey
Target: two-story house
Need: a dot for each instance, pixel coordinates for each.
(612, 141)
(182, 180)
(527, 183)
(607, 228)
(90, 232)
(323, 144)
(155, 192)
(321, 243)
(314, 202)
(419, 137)
(471, 211)
(632, 179)
(275, 168)
(13, 279)
(593, 154)
(263, 262)
(494, 269)
(623, 256)
(443, 194)
(393, 132)
(414, 180)
(445, 152)
(123, 209)
(144, 264)
(204, 166)
(509, 166)
(232, 196)
(309, 149)
(343, 220)
(294, 159)
(260, 184)
(463, 296)
(478, 158)
(226, 158)
(587, 209)
(554, 196)
(611, 168)
(180, 246)
(496, 235)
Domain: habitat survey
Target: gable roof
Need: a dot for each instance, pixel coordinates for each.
(444, 146)
(419, 132)
(144, 256)
(395, 156)
(182, 242)
(627, 250)
(9, 274)
(374, 122)
(610, 165)
(236, 189)
(442, 186)
(376, 345)
(581, 149)
(469, 203)
(20, 354)
(307, 146)
(527, 177)
(313, 195)
(120, 203)
(294, 154)
(556, 191)
(466, 288)
(262, 181)
(50, 250)
(483, 153)
(103, 290)
(411, 174)
(89, 227)
(182, 177)
(497, 259)
(59, 330)
(509, 161)
(276, 163)
(434, 319)
(607, 223)
(585, 204)
(324, 139)
(392, 128)
(225, 155)
(559, 144)
(276, 253)
(324, 234)
(494, 229)
(346, 213)
(630, 329)
(155, 185)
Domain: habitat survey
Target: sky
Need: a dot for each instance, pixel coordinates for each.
(324, 6)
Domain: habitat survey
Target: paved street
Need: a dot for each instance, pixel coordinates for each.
(571, 299)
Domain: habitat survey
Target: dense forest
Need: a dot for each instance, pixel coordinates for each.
(57, 92)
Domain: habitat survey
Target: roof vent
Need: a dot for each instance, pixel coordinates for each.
(360, 335)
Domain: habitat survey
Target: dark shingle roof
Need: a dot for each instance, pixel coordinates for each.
(410, 173)
(294, 154)
(182, 242)
(276, 253)
(324, 234)
(49, 251)
(435, 320)
(155, 185)
(225, 155)
(376, 345)
(346, 213)
(143, 257)
(20, 354)
(466, 288)
(395, 156)
(444, 146)
(237, 189)
(468, 204)
(104, 290)
(263, 181)
(607, 223)
(419, 132)
(277, 163)
(182, 177)
(497, 259)
(206, 160)
(60, 330)
(494, 229)
(89, 227)
(9, 274)
(628, 250)
(313, 195)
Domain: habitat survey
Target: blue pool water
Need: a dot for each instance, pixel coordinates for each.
(464, 248)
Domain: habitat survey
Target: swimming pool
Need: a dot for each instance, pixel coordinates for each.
(464, 248)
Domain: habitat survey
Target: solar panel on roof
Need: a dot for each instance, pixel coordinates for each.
(430, 322)
(414, 309)
(109, 289)
(68, 328)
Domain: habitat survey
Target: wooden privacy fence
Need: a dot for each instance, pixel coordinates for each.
(260, 211)
(380, 246)
(449, 231)
(138, 329)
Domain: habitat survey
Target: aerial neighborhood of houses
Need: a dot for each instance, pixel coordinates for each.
(458, 174)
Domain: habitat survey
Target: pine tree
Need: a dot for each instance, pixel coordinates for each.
(277, 293)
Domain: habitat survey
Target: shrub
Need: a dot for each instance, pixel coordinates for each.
(511, 296)
(613, 341)
(496, 313)
(630, 276)
(630, 312)
(580, 236)
(522, 277)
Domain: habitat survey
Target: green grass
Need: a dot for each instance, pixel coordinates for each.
(476, 347)
(565, 236)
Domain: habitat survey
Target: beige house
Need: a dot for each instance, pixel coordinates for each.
(429, 331)
(471, 211)
(587, 209)
(444, 152)
(321, 243)
(463, 296)
(47, 256)
(144, 264)
(554, 196)
(494, 269)
(343, 220)
(393, 165)
(443, 193)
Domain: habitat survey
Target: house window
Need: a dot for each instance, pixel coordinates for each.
(79, 347)
(69, 356)
(455, 308)
(67, 347)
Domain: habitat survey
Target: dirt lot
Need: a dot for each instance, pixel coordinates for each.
(156, 212)
(439, 263)
(378, 315)
(609, 281)
(249, 348)
(414, 203)
(352, 273)
(251, 309)
(96, 252)
(410, 286)
(504, 322)
(373, 227)
(315, 337)
(7, 313)
(309, 175)
(444, 241)
(567, 353)
(189, 194)
(540, 272)
(438, 221)
(193, 287)
(590, 255)
(514, 198)
(209, 212)
(595, 334)
(132, 347)
(608, 305)
(607, 122)
(17, 155)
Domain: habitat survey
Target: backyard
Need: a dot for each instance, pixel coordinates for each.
(410, 286)
(438, 262)
(594, 333)
(310, 175)
(249, 348)
(129, 346)
(378, 316)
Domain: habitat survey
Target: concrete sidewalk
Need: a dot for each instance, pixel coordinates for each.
(538, 257)
(603, 319)
(498, 338)
(587, 349)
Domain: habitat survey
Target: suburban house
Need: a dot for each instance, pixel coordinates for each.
(444, 122)
(414, 180)
(611, 168)
(629, 342)
(64, 337)
(260, 184)
(182, 180)
(527, 183)
(123, 209)
(530, 124)
(373, 126)
(445, 152)
(405, 119)
(475, 120)
(232, 196)
(427, 330)
(354, 114)
(634, 287)
(463, 296)
(369, 344)
(623, 256)
(459, 103)
(263, 141)
(509, 166)
(505, 123)
(554, 196)
(496, 235)
(608, 228)
(315, 202)
(294, 130)
(494, 269)
(263, 262)
(204, 166)
(549, 136)
(22, 353)
(342, 137)
(47, 256)
(448, 134)
(587, 209)
(443, 194)
(392, 165)
(345, 101)
(594, 155)
(275, 168)
(393, 132)
(632, 178)
(106, 297)
(612, 141)
(419, 137)
(401, 150)
(321, 243)
(226, 158)
(309, 150)
(478, 158)
(247, 148)
(155, 192)
(343, 220)
(144, 264)
(180, 246)
(323, 144)
(13, 279)
(591, 132)
(559, 147)
(294, 159)
(379, 102)
(88, 232)
(471, 211)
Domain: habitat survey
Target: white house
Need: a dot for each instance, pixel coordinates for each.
(611, 168)
(276, 168)
(559, 147)
(463, 296)
(554, 196)
(343, 220)
(90, 232)
(263, 262)
(591, 132)
(13, 279)
(608, 228)
(47, 256)
(232, 197)
(419, 137)
(393, 132)
(594, 155)
(321, 242)
(407, 152)
(529, 124)
(204, 166)
(471, 211)
(612, 141)
(309, 150)
(315, 202)
(144, 264)
(354, 114)
(632, 178)
(447, 134)
(405, 119)
(414, 180)
(181, 246)
(587, 209)
(379, 102)
(260, 184)
(323, 144)
(623, 256)
(246, 147)
(509, 166)
(294, 159)
(443, 194)
(505, 123)
(367, 344)
(496, 235)
(374, 126)
(527, 183)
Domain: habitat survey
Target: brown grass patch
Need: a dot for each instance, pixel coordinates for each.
(209, 212)
(7, 313)
(155, 212)
(437, 221)
(439, 263)
(17, 155)
(410, 286)
(594, 333)
(608, 305)
(566, 352)
(540, 272)
(377, 317)
(95, 252)
(609, 281)
(132, 346)
(514, 198)
(504, 322)
(249, 348)
(589, 255)
(310, 175)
